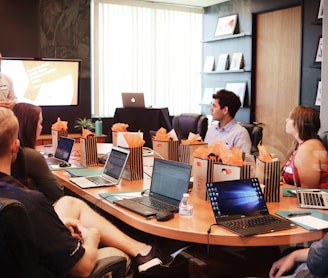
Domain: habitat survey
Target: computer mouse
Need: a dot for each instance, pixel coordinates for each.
(64, 164)
(164, 215)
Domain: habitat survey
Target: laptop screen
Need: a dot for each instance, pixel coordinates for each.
(170, 179)
(133, 100)
(115, 163)
(237, 197)
(64, 148)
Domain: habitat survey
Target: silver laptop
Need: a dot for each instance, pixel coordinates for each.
(63, 151)
(133, 100)
(239, 206)
(170, 179)
(310, 197)
(111, 173)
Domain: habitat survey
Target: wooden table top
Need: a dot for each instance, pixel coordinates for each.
(193, 229)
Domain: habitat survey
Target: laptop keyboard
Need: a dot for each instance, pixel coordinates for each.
(313, 199)
(156, 204)
(251, 222)
(99, 180)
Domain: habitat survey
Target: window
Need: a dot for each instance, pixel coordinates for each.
(143, 48)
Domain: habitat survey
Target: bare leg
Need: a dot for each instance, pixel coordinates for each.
(110, 235)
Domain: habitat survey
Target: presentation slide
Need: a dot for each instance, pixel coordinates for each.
(44, 82)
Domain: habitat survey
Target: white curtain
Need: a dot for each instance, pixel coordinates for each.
(144, 49)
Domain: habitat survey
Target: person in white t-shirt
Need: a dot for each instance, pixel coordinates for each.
(7, 94)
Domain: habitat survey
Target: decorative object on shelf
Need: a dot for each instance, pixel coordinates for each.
(226, 25)
(320, 11)
(207, 96)
(318, 57)
(223, 62)
(239, 88)
(237, 61)
(84, 123)
(318, 98)
(209, 64)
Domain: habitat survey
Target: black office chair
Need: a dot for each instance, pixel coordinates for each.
(189, 122)
(324, 138)
(256, 134)
(18, 251)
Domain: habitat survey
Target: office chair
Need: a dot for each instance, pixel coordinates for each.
(324, 138)
(189, 122)
(256, 134)
(19, 254)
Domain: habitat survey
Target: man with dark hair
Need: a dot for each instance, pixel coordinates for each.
(7, 95)
(224, 108)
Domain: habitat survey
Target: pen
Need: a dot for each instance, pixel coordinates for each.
(298, 214)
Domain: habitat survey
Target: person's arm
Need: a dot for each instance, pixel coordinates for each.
(91, 239)
(288, 262)
(308, 163)
(43, 179)
(318, 257)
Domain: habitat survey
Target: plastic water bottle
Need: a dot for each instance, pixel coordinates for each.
(185, 207)
(99, 127)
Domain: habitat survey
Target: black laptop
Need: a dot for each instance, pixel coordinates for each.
(170, 179)
(63, 151)
(239, 206)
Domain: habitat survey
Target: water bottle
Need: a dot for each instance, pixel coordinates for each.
(185, 207)
(99, 127)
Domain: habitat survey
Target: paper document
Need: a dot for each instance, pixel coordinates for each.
(310, 221)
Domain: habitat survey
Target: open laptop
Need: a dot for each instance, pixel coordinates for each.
(111, 173)
(133, 100)
(63, 151)
(170, 179)
(239, 205)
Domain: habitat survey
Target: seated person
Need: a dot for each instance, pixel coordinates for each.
(307, 262)
(68, 232)
(308, 163)
(36, 174)
(224, 108)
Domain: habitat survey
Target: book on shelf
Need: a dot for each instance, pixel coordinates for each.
(223, 62)
(237, 61)
(209, 64)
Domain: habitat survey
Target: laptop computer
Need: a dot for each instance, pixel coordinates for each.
(111, 173)
(239, 205)
(63, 151)
(170, 179)
(133, 100)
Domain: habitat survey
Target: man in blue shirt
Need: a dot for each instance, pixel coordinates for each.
(224, 108)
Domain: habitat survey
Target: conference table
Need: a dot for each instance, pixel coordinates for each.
(194, 229)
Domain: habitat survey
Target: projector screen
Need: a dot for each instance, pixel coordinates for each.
(44, 82)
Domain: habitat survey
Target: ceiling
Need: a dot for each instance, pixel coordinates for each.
(192, 3)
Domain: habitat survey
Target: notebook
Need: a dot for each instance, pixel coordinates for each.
(133, 100)
(63, 151)
(239, 205)
(170, 179)
(111, 173)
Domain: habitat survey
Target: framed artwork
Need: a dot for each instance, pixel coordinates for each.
(239, 88)
(320, 11)
(318, 97)
(226, 25)
(318, 56)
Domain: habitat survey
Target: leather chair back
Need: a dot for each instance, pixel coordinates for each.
(324, 138)
(190, 122)
(256, 134)
(19, 255)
